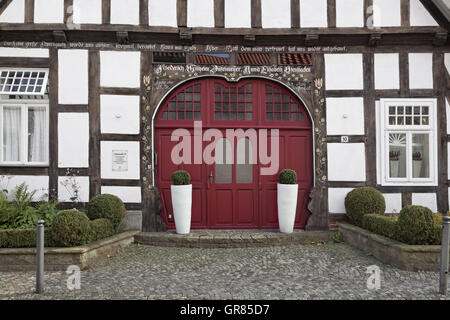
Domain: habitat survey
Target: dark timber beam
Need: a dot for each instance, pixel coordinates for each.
(4, 4)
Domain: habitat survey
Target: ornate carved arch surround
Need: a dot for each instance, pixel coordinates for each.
(160, 80)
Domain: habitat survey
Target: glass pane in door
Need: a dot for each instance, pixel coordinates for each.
(223, 161)
(244, 166)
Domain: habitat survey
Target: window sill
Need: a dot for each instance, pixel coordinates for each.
(24, 165)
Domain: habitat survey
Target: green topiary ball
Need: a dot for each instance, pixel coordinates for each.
(181, 177)
(416, 225)
(287, 176)
(362, 201)
(71, 228)
(109, 207)
(100, 229)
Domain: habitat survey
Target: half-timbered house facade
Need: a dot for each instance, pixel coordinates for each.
(354, 92)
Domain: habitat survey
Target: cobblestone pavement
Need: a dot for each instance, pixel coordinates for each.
(315, 271)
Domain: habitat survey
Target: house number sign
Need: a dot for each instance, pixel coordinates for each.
(119, 160)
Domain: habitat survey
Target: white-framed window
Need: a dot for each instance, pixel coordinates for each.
(24, 134)
(407, 142)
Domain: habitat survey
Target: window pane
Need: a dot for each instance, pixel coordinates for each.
(37, 135)
(244, 167)
(397, 155)
(11, 133)
(223, 162)
(420, 156)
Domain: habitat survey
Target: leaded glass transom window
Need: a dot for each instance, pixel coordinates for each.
(185, 105)
(282, 107)
(233, 103)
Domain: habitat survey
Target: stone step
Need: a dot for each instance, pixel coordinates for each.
(232, 238)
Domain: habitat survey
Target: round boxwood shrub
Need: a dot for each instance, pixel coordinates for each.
(416, 225)
(181, 177)
(287, 176)
(362, 201)
(71, 228)
(109, 207)
(101, 228)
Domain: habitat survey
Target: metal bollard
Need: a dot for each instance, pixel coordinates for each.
(443, 280)
(40, 257)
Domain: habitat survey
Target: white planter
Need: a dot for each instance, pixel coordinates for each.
(182, 207)
(417, 168)
(394, 164)
(287, 206)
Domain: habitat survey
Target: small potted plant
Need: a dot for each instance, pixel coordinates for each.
(394, 157)
(417, 164)
(287, 199)
(181, 192)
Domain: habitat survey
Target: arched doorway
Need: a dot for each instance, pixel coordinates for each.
(231, 191)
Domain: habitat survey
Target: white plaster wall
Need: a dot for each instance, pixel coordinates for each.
(419, 16)
(393, 202)
(276, 13)
(386, 13)
(126, 194)
(346, 162)
(162, 13)
(344, 71)
(345, 116)
(38, 183)
(387, 71)
(18, 52)
(313, 13)
(73, 140)
(133, 170)
(349, 13)
(66, 191)
(120, 69)
(48, 11)
(119, 114)
(87, 11)
(336, 199)
(238, 13)
(125, 12)
(420, 71)
(14, 13)
(200, 13)
(73, 77)
(425, 199)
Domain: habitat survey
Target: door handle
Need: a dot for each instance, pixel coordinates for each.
(211, 177)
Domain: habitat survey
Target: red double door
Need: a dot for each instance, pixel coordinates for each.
(231, 190)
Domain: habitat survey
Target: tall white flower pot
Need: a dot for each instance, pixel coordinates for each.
(287, 206)
(182, 207)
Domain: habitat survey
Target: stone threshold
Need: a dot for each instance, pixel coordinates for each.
(58, 259)
(398, 254)
(232, 238)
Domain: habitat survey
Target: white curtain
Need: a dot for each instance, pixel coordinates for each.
(37, 147)
(11, 133)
